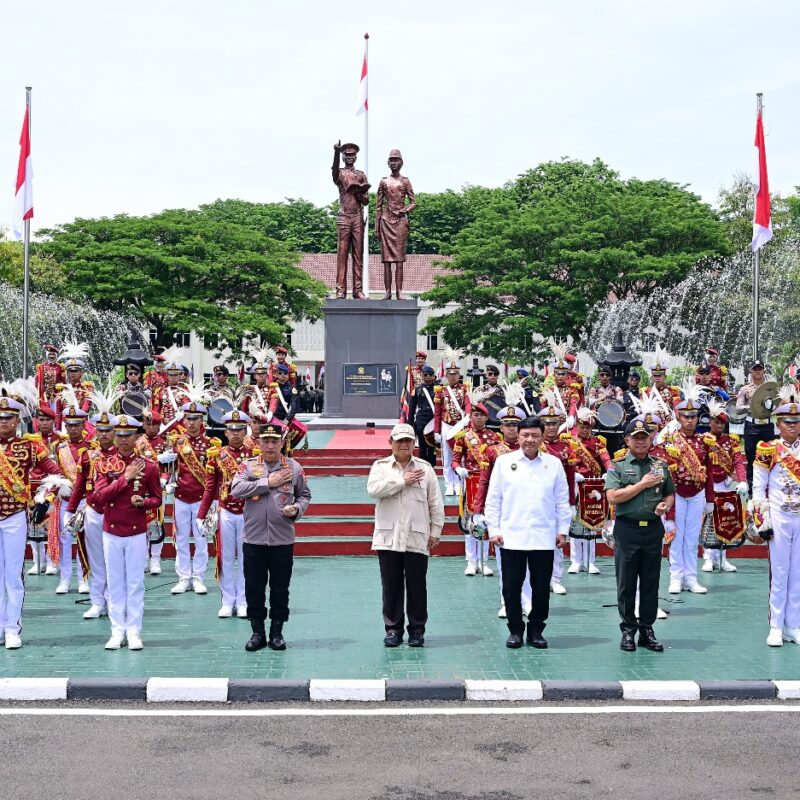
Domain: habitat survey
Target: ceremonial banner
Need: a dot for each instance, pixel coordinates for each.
(592, 503)
(729, 517)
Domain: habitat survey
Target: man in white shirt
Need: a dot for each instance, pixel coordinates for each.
(528, 515)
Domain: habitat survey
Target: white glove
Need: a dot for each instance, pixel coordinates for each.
(68, 518)
(669, 526)
(167, 457)
(65, 491)
(437, 438)
(579, 478)
(269, 416)
(709, 508)
(573, 510)
(163, 482)
(198, 528)
(462, 472)
(170, 488)
(479, 519)
(743, 488)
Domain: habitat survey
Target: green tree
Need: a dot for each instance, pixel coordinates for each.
(299, 223)
(562, 237)
(46, 274)
(181, 270)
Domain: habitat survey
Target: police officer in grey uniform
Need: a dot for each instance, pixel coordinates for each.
(641, 488)
(277, 495)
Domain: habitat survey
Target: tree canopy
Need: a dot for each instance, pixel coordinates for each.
(183, 270)
(560, 238)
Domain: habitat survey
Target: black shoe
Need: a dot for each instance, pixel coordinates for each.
(537, 640)
(276, 641)
(648, 639)
(514, 641)
(627, 644)
(392, 639)
(258, 641)
(416, 640)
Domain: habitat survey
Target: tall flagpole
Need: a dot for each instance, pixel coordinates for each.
(366, 169)
(756, 264)
(26, 259)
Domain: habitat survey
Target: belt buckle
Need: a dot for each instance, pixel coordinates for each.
(643, 523)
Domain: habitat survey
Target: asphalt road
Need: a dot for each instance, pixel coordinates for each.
(664, 756)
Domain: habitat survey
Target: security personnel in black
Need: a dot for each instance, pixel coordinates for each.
(531, 405)
(287, 401)
(420, 413)
(494, 397)
(641, 488)
(632, 391)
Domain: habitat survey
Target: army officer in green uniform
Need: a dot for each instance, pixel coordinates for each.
(640, 487)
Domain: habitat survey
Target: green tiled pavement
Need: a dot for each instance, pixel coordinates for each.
(335, 631)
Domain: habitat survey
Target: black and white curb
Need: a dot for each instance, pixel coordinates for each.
(224, 690)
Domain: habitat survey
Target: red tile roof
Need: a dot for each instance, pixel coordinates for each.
(417, 275)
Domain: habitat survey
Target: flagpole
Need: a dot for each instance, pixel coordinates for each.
(756, 263)
(26, 259)
(366, 170)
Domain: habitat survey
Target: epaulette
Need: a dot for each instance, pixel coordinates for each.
(212, 452)
(459, 435)
(257, 451)
(602, 439)
(88, 384)
(32, 437)
(765, 448)
(620, 454)
(60, 386)
(576, 386)
(734, 437)
(273, 383)
(565, 437)
(723, 370)
(215, 442)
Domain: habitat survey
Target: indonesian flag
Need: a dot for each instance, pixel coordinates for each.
(363, 100)
(23, 199)
(308, 374)
(762, 222)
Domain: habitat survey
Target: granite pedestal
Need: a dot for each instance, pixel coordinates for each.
(365, 339)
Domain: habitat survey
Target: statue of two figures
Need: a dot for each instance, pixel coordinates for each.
(395, 201)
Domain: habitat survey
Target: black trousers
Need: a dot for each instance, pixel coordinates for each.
(267, 564)
(515, 564)
(637, 559)
(405, 590)
(426, 452)
(753, 434)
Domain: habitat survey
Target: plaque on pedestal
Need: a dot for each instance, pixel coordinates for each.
(368, 344)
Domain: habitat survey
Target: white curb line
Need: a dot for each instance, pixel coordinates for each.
(189, 690)
(660, 690)
(788, 690)
(360, 690)
(33, 688)
(504, 690)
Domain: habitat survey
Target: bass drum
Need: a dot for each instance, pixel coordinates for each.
(735, 416)
(134, 404)
(217, 410)
(610, 415)
(429, 435)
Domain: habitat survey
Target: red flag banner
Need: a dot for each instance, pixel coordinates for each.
(762, 221)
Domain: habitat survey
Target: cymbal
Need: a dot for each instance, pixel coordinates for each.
(763, 402)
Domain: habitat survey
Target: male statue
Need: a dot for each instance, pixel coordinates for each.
(353, 196)
(391, 222)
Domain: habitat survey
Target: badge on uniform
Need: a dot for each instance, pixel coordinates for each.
(514, 466)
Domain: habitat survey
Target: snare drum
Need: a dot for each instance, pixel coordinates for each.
(610, 415)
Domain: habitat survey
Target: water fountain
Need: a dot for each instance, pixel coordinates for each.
(52, 320)
(706, 308)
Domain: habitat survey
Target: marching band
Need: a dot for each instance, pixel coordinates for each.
(109, 479)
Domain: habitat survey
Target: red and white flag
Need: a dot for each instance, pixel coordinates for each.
(363, 97)
(308, 374)
(23, 199)
(762, 221)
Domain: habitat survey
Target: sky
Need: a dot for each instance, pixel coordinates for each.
(160, 104)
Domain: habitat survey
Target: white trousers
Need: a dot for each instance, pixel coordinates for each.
(581, 551)
(231, 577)
(125, 558)
(526, 584)
(185, 566)
(451, 479)
(784, 568)
(558, 565)
(472, 548)
(683, 550)
(98, 583)
(65, 544)
(13, 536)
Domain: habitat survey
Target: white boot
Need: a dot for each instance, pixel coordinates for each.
(472, 568)
(557, 588)
(155, 566)
(63, 587)
(83, 586)
(775, 638)
(487, 570)
(674, 586)
(791, 635)
(94, 612)
(13, 642)
(593, 570)
(725, 565)
(574, 568)
(661, 614)
(502, 612)
(708, 565)
(694, 587)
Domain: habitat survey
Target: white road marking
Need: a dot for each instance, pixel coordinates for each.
(460, 711)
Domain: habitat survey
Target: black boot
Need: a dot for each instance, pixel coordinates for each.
(276, 640)
(258, 641)
(626, 643)
(648, 639)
